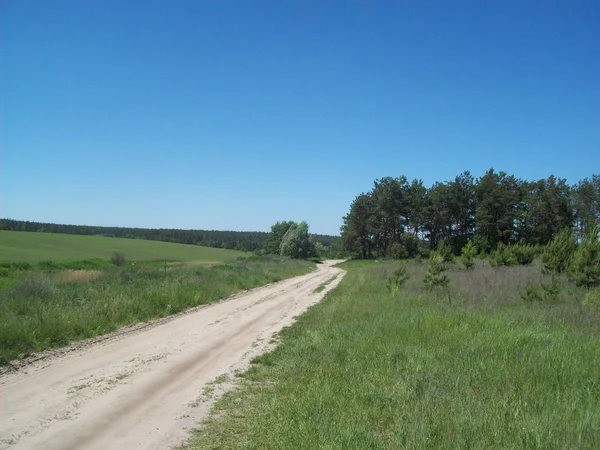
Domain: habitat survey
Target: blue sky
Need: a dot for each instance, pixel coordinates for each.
(236, 114)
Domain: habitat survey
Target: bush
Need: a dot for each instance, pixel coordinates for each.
(16, 265)
(445, 252)
(411, 243)
(35, 285)
(584, 269)
(548, 293)
(49, 266)
(592, 299)
(117, 259)
(558, 253)
(524, 254)
(399, 277)
(503, 256)
(397, 251)
(468, 254)
(482, 243)
(406, 247)
(435, 277)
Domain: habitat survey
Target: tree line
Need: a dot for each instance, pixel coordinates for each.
(234, 240)
(398, 218)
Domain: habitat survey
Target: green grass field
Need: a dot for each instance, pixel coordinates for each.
(32, 247)
(368, 368)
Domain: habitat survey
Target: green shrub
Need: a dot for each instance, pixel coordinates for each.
(399, 277)
(117, 258)
(16, 265)
(548, 293)
(49, 266)
(435, 277)
(445, 252)
(424, 252)
(411, 243)
(468, 254)
(584, 269)
(397, 251)
(592, 299)
(502, 256)
(558, 253)
(482, 243)
(524, 254)
(518, 254)
(34, 285)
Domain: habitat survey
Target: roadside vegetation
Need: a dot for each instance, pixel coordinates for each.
(50, 304)
(386, 361)
(324, 285)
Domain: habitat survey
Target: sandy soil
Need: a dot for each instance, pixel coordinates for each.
(144, 388)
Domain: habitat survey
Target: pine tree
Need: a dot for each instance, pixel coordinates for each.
(468, 254)
(584, 269)
(558, 253)
(435, 278)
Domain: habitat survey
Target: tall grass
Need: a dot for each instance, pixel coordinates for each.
(42, 310)
(369, 369)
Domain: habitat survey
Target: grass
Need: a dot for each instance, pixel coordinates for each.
(369, 369)
(16, 246)
(44, 309)
(322, 286)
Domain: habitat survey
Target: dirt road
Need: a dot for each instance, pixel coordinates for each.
(145, 389)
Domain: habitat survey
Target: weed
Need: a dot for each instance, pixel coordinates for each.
(77, 276)
(117, 259)
(34, 285)
(322, 286)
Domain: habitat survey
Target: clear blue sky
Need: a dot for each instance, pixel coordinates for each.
(236, 114)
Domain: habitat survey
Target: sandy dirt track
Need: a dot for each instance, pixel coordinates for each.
(146, 389)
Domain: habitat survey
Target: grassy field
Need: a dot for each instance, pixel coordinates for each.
(370, 369)
(31, 247)
(45, 309)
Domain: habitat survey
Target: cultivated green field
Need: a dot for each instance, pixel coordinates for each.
(31, 247)
(375, 368)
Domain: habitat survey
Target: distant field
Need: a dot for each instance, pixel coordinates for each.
(23, 246)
